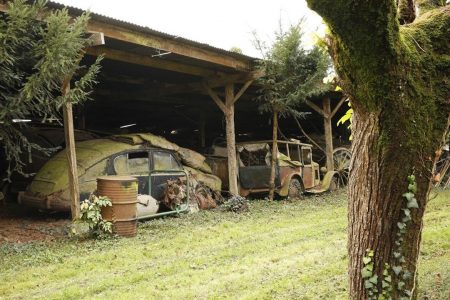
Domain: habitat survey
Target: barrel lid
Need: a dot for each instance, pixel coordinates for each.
(117, 178)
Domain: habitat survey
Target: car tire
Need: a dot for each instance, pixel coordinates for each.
(296, 190)
(334, 184)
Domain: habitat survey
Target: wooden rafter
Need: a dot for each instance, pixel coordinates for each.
(173, 45)
(338, 106)
(212, 82)
(149, 61)
(216, 98)
(316, 108)
(242, 90)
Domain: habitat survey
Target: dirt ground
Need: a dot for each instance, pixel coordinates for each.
(18, 225)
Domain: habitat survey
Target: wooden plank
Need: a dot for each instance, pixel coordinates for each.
(216, 98)
(74, 190)
(242, 91)
(173, 45)
(328, 134)
(149, 61)
(231, 140)
(338, 106)
(316, 108)
(213, 82)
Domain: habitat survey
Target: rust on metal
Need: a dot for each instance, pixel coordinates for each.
(122, 190)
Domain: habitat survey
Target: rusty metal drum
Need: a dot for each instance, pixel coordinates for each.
(122, 190)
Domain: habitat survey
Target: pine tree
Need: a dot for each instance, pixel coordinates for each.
(292, 74)
(39, 50)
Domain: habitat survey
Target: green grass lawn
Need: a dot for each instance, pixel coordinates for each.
(279, 250)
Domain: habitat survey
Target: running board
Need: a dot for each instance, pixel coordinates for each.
(316, 191)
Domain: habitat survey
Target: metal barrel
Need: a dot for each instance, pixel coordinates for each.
(123, 191)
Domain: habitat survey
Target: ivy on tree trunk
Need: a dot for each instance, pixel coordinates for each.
(397, 78)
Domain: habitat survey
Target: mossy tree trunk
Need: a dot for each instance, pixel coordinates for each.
(273, 163)
(397, 78)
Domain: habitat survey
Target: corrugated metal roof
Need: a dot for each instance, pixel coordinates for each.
(144, 29)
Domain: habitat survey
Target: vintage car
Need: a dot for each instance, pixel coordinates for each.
(295, 172)
(151, 159)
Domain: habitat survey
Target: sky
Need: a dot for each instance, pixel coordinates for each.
(223, 24)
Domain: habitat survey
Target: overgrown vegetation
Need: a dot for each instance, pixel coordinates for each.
(39, 51)
(236, 204)
(278, 250)
(90, 215)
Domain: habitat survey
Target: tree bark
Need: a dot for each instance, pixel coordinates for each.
(395, 77)
(274, 155)
(376, 185)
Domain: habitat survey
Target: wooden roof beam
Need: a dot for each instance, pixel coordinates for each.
(212, 82)
(149, 61)
(170, 45)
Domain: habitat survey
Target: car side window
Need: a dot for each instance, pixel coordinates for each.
(294, 153)
(164, 161)
(133, 163)
(283, 149)
(307, 156)
(120, 164)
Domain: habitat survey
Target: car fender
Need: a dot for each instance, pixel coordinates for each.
(283, 191)
(326, 181)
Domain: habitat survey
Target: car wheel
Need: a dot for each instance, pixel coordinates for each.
(334, 184)
(296, 189)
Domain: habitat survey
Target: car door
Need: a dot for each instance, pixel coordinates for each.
(136, 164)
(308, 171)
(255, 168)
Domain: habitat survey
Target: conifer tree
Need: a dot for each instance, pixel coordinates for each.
(39, 49)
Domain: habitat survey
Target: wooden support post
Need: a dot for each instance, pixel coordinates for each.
(71, 155)
(227, 107)
(328, 134)
(231, 139)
